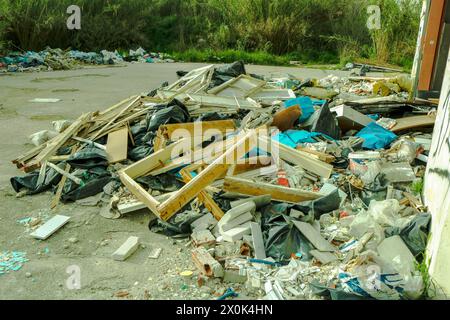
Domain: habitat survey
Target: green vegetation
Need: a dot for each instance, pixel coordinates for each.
(430, 289)
(259, 31)
(417, 187)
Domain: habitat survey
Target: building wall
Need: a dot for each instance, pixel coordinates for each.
(437, 191)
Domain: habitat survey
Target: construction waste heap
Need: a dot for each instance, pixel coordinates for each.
(293, 188)
(58, 59)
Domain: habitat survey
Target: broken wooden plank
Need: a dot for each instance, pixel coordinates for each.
(117, 145)
(279, 193)
(107, 126)
(139, 192)
(204, 197)
(414, 122)
(62, 182)
(50, 227)
(320, 155)
(59, 191)
(65, 173)
(53, 146)
(157, 159)
(295, 157)
(196, 128)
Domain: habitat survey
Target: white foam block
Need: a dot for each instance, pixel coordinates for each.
(50, 227)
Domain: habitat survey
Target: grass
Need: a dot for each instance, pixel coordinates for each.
(258, 57)
(428, 285)
(417, 187)
(311, 58)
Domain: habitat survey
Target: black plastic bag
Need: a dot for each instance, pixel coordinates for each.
(140, 152)
(320, 206)
(414, 234)
(181, 229)
(29, 181)
(326, 123)
(165, 182)
(211, 116)
(94, 179)
(281, 236)
(227, 72)
(173, 112)
(88, 158)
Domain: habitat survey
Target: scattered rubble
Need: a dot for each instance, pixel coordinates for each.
(287, 188)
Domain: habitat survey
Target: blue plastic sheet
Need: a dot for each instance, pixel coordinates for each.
(376, 137)
(292, 138)
(306, 104)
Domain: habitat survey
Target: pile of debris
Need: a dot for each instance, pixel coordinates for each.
(57, 59)
(282, 184)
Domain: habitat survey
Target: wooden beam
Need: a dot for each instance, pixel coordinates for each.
(252, 188)
(155, 160)
(200, 155)
(108, 125)
(140, 193)
(57, 143)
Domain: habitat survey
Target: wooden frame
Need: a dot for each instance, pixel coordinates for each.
(241, 87)
(195, 186)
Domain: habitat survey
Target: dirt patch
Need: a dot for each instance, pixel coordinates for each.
(65, 90)
(39, 80)
(47, 117)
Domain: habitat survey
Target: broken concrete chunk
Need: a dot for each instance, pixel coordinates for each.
(258, 242)
(50, 227)
(246, 217)
(203, 238)
(126, 249)
(236, 233)
(204, 222)
(234, 276)
(314, 236)
(206, 263)
(237, 211)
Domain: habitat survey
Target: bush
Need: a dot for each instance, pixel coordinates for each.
(311, 30)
